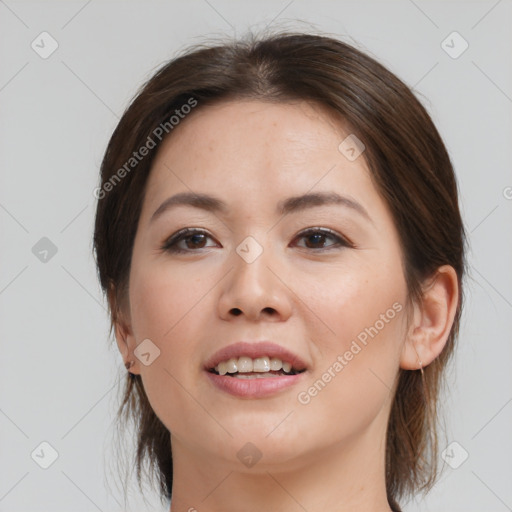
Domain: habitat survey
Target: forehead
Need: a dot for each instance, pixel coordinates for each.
(244, 124)
(259, 147)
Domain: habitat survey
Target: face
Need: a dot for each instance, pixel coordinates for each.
(313, 283)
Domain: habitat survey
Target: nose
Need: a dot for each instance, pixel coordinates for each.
(256, 290)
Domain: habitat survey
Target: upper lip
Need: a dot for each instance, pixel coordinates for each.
(254, 350)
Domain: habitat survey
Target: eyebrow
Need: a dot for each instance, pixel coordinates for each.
(290, 205)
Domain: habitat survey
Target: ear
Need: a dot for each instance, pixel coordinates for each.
(123, 331)
(432, 320)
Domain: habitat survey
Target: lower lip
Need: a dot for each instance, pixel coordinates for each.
(253, 388)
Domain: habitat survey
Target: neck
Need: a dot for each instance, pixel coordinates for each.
(342, 478)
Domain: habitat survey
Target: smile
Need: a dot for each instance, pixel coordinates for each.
(261, 367)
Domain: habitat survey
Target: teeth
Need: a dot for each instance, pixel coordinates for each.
(276, 364)
(232, 365)
(261, 364)
(222, 368)
(247, 365)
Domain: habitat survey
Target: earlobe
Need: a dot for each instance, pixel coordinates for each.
(123, 333)
(432, 320)
(126, 344)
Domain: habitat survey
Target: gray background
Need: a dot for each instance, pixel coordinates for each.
(59, 374)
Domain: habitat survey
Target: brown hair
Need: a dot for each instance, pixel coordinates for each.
(409, 166)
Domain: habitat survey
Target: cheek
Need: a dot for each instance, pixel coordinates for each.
(353, 300)
(163, 305)
(359, 356)
(162, 299)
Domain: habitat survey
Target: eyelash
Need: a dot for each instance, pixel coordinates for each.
(170, 245)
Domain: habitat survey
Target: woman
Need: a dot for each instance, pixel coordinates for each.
(279, 238)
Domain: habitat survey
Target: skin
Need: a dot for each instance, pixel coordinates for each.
(327, 454)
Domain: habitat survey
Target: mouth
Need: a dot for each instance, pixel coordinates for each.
(258, 368)
(254, 370)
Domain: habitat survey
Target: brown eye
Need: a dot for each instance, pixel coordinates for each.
(316, 239)
(192, 239)
(195, 241)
